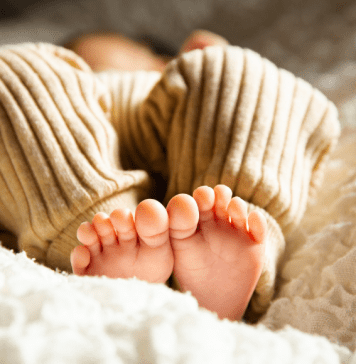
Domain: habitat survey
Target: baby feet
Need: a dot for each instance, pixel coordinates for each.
(218, 251)
(119, 247)
(216, 255)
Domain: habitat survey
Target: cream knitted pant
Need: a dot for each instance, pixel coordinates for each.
(73, 143)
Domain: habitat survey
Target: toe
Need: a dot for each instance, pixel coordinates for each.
(204, 196)
(104, 229)
(237, 209)
(257, 226)
(223, 196)
(123, 222)
(87, 235)
(151, 221)
(183, 216)
(80, 259)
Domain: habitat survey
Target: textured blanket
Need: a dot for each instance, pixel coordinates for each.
(47, 317)
(51, 317)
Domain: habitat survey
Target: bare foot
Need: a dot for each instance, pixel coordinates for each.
(118, 247)
(217, 260)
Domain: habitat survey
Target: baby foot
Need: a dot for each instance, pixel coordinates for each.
(216, 255)
(118, 247)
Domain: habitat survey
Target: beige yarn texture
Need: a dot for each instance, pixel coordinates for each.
(218, 115)
(59, 159)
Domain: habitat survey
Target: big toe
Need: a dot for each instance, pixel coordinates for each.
(151, 221)
(183, 216)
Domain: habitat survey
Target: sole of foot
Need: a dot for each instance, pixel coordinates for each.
(218, 249)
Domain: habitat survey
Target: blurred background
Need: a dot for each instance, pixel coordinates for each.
(314, 39)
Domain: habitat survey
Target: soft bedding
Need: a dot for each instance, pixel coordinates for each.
(47, 317)
(317, 291)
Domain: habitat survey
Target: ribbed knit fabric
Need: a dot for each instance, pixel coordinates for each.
(59, 159)
(226, 115)
(218, 115)
(127, 91)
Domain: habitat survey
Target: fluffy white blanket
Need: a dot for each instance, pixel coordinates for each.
(51, 317)
(48, 317)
